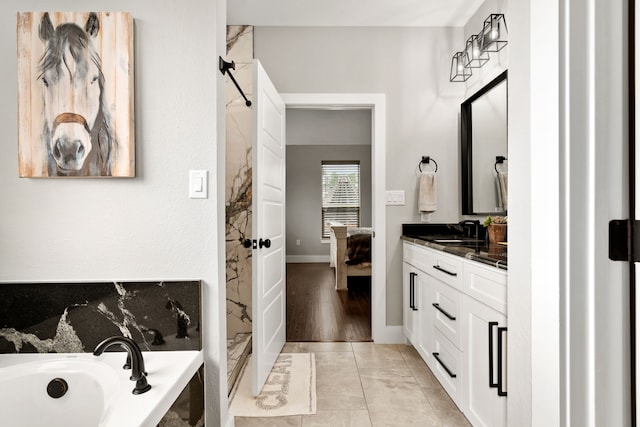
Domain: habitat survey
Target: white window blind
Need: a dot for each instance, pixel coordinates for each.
(340, 194)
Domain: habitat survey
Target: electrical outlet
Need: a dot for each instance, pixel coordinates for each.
(297, 242)
(395, 198)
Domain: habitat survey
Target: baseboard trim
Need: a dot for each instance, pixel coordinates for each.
(390, 335)
(307, 258)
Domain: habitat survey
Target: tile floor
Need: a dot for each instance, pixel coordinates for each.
(366, 384)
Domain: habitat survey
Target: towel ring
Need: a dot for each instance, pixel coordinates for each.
(427, 159)
(499, 159)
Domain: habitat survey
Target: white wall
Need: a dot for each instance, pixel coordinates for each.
(520, 406)
(568, 308)
(595, 304)
(130, 229)
(410, 66)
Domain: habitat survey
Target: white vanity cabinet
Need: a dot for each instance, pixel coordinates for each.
(455, 316)
(416, 295)
(410, 313)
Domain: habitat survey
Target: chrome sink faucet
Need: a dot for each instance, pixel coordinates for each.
(134, 355)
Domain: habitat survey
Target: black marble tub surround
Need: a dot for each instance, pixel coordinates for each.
(476, 248)
(75, 317)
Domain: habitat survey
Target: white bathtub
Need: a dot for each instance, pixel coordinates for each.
(99, 390)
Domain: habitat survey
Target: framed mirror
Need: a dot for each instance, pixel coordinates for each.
(484, 150)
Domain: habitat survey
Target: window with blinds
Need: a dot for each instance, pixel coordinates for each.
(340, 194)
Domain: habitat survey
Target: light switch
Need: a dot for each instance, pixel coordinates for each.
(198, 184)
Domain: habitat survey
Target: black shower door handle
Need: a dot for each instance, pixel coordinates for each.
(266, 243)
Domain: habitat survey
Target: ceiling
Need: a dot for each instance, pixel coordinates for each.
(352, 13)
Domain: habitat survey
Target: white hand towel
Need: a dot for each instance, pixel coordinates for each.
(427, 195)
(503, 180)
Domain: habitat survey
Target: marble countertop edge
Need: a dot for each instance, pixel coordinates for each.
(461, 251)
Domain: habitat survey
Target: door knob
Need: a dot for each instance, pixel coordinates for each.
(266, 243)
(246, 243)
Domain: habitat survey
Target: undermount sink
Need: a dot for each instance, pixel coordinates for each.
(456, 240)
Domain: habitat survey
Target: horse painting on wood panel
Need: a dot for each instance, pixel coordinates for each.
(75, 97)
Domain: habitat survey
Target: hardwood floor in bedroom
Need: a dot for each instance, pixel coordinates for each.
(317, 312)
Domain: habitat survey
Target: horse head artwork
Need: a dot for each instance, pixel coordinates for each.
(77, 132)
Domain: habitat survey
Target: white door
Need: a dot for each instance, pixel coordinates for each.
(268, 187)
(484, 375)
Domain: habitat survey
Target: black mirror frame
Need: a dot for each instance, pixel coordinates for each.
(466, 145)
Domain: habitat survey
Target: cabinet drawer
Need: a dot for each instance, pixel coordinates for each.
(417, 256)
(487, 285)
(446, 311)
(447, 268)
(446, 364)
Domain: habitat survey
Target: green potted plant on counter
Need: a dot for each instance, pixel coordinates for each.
(496, 228)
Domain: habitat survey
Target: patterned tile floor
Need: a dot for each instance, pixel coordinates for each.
(366, 384)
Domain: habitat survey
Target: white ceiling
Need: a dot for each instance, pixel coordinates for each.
(352, 13)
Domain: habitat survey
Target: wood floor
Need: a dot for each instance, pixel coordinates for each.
(317, 312)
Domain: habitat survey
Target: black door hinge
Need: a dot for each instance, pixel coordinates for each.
(624, 240)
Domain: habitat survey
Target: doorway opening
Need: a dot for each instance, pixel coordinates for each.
(372, 105)
(329, 174)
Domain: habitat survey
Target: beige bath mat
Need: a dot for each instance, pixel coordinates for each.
(289, 390)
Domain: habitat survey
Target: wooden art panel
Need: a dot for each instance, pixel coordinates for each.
(75, 94)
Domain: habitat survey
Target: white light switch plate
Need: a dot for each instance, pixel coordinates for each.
(395, 197)
(198, 184)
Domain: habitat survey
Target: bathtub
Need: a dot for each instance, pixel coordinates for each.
(82, 390)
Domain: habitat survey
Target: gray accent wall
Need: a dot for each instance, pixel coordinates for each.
(328, 127)
(411, 67)
(304, 193)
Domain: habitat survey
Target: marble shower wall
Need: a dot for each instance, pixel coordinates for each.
(238, 180)
(75, 317)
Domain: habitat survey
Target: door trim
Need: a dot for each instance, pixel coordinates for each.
(632, 15)
(376, 102)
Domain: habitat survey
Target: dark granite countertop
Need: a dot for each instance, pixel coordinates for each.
(439, 237)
